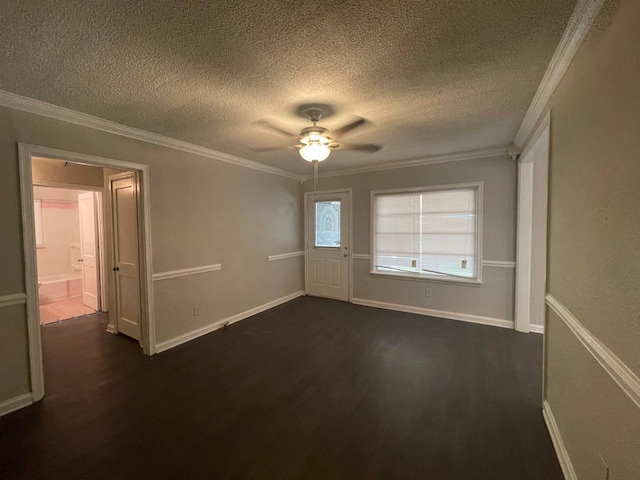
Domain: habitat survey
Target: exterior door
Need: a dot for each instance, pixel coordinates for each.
(89, 249)
(124, 212)
(328, 246)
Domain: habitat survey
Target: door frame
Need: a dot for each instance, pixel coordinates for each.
(102, 294)
(25, 154)
(307, 196)
(527, 228)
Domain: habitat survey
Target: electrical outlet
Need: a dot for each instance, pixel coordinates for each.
(427, 292)
(196, 310)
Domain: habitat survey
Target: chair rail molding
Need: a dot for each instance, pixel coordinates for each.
(186, 272)
(619, 372)
(13, 299)
(498, 264)
(282, 256)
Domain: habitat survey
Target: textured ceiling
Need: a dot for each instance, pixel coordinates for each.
(432, 77)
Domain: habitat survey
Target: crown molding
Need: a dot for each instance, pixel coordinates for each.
(37, 107)
(449, 157)
(581, 20)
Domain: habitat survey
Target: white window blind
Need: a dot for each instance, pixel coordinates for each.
(427, 232)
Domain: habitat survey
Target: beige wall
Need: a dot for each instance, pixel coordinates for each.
(46, 171)
(594, 235)
(202, 212)
(495, 298)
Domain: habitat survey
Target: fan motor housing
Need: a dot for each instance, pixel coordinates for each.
(305, 132)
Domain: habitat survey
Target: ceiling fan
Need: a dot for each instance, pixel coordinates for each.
(315, 143)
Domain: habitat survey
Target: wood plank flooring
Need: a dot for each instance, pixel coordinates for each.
(312, 389)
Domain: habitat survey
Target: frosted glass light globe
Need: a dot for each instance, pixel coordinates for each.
(314, 152)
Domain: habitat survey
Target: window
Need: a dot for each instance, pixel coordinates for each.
(429, 233)
(328, 224)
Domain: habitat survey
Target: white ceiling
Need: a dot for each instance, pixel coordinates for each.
(431, 77)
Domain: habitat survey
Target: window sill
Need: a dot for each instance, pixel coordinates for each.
(427, 278)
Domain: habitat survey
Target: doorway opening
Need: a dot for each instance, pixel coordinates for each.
(533, 195)
(86, 230)
(68, 230)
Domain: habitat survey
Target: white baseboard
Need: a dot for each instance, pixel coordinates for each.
(16, 403)
(536, 328)
(558, 444)
(179, 340)
(463, 317)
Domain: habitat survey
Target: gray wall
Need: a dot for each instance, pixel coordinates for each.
(202, 212)
(495, 298)
(594, 234)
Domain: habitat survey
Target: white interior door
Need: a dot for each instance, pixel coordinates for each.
(328, 246)
(89, 249)
(124, 211)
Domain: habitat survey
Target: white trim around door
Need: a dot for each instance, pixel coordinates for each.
(26, 153)
(531, 255)
(307, 196)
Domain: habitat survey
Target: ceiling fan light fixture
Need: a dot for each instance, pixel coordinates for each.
(315, 151)
(314, 136)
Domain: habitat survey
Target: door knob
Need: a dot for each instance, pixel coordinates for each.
(116, 269)
(80, 260)
(346, 254)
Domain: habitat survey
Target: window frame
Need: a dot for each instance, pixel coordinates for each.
(430, 277)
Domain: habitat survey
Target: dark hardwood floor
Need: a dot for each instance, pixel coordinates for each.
(313, 389)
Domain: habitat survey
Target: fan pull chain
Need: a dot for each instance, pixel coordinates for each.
(315, 175)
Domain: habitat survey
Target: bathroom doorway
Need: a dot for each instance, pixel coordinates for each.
(124, 213)
(69, 239)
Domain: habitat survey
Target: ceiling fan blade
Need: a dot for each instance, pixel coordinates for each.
(270, 126)
(268, 149)
(364, 147)
(271, 149)
(347, 128)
